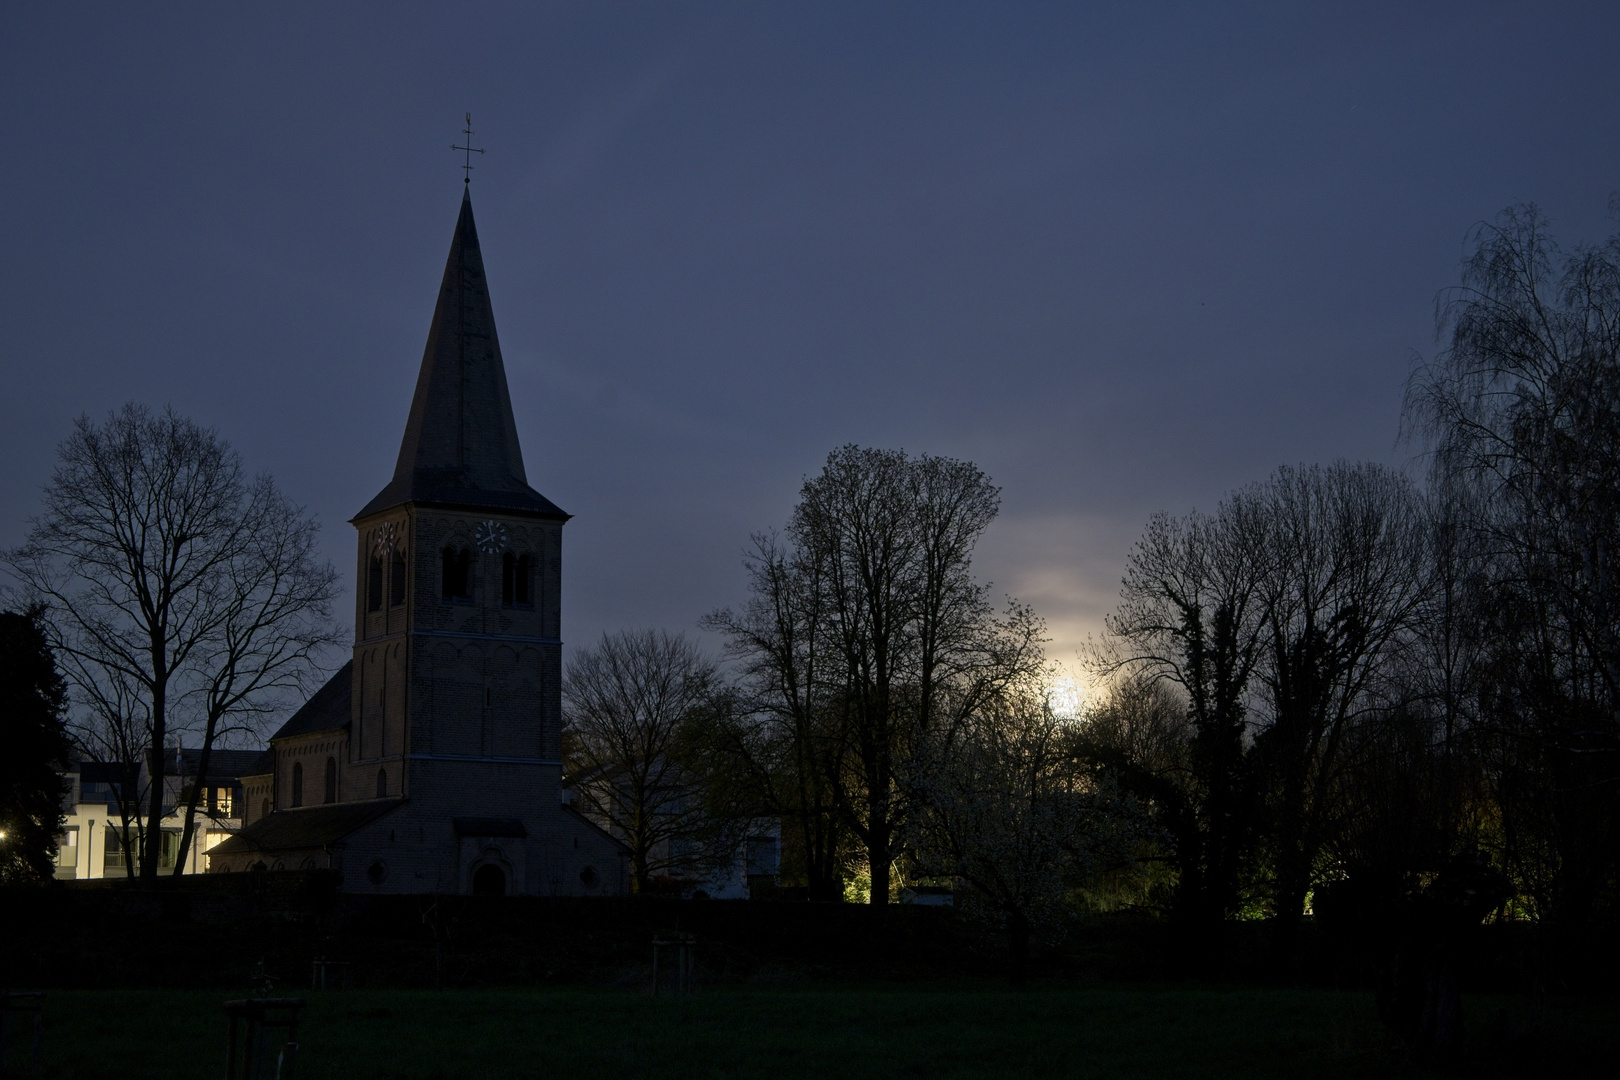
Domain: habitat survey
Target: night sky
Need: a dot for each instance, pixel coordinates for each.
(1124, 257)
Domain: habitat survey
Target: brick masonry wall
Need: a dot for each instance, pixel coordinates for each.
(256, 797)
(471, 677)
(420, 852)
(312, 752)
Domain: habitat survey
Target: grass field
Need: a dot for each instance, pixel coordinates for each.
(826, 1033)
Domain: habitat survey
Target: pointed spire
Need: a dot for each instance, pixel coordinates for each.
(461, 445)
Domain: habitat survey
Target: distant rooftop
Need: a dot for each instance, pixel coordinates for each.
(326, 710)
(306, 827)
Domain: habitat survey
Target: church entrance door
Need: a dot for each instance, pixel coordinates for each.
(489, 880)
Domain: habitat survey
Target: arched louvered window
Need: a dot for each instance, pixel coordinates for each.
(382, 783)
(374, 583)
(457, 573)
(331, 780)
(517, 575)
(396, 579)
(298, 784)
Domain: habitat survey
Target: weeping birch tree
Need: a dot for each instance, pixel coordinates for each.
(1520, 412)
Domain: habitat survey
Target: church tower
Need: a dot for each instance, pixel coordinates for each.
(457, 656)
(439, 744)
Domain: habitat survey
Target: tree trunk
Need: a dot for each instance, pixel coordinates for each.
(881, 872)
(154, 808)
(132, 844)
(189, 831)
(879, 830)
(1292, 883)
(879, 855)
(822, 877)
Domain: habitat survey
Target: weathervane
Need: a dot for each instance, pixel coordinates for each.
(467, 166)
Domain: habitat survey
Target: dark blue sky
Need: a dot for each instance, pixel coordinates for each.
(1125, 257)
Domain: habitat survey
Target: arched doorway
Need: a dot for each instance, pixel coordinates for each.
(489, 880)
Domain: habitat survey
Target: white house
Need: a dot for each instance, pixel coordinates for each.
(92, 840)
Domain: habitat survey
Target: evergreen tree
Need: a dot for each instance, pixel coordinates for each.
(34, 748)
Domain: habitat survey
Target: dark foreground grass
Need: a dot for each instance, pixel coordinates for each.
(842, 1033)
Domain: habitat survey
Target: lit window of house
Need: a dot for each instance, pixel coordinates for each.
(210, 839)
(117, 857)
(67, 853)
(170, 850)
(114, 859)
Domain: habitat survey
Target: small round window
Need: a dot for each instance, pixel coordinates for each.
(377, 872)
(588, 878)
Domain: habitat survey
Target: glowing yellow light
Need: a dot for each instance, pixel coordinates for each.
(1067, 696)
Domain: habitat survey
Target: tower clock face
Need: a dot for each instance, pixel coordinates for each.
(490, 536)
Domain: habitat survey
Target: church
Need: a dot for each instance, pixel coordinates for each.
(431, 762)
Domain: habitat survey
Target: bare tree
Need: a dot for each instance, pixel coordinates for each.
(183, 596)
(782, 746)
(1348, 547)
(629, 703)
(1192, 614)
(112, 727)
(871, 628)
(1414, 790)
(1282, 619)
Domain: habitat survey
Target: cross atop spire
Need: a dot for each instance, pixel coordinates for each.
(467, 165)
